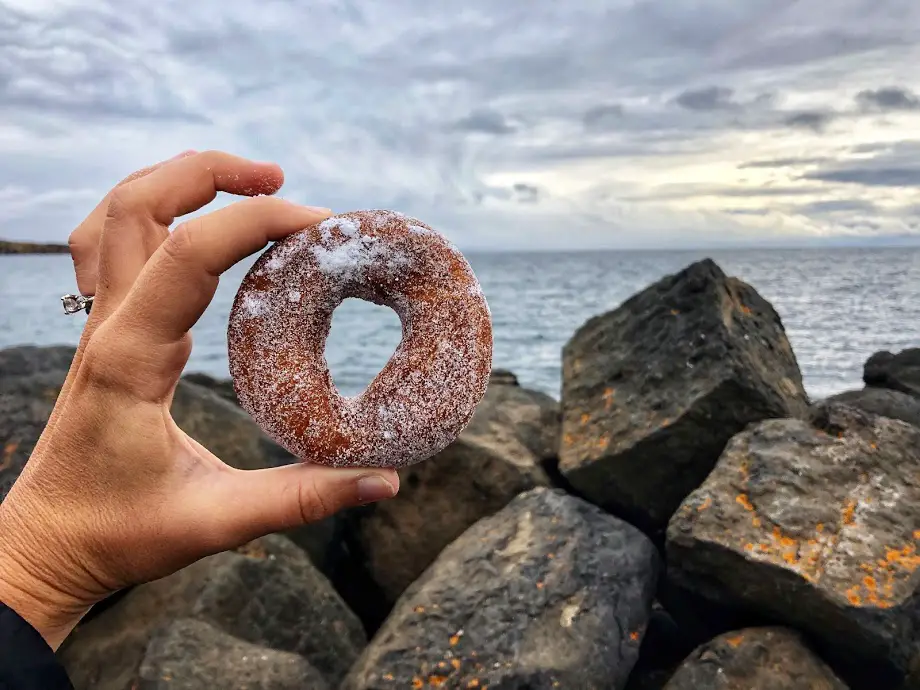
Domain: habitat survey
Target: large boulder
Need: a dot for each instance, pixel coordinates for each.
(652, 391)
(883, 402)
(266, 594)
(898, 372)
(191, 655)
(501, 453)
(755, 659)
(814, 524)
(548, 593)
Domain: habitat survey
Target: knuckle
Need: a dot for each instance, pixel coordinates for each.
(124, 202)
(179, 245)
(314, 506)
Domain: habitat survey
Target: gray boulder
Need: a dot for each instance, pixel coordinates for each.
(550, 592)
(883, 402)
(898, 372)
(755, 659)
(652, 391)
(816, 525)
(192, 655)
(266, 594)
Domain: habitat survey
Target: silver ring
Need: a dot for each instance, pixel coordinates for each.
(74, 303)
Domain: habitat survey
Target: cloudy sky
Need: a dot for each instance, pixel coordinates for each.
(505, 123)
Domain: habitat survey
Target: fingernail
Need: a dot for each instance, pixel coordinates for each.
(184, 154)
(374, 488)
(319, 209)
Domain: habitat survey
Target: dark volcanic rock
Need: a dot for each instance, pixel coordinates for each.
(266, 594)
(548, 593)
(274, 596)
(653, 390)
(755, 659)
(899, 372)
(28, 360)
(513, 433)
(886, 403)
(191, 655)
(223, 387)
(815, 525)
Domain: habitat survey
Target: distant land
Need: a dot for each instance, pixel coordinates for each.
(9, 247)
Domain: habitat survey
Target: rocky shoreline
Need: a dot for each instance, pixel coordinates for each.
(10, 247)
(684, 518)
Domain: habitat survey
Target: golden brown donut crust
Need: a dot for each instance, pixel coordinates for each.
(424, 396)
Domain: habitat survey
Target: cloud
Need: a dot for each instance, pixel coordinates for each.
(708, 98)
(791, 162)
(485, 122)
(814, 120)
(603, 116)
(515, 124)
(888, 99)
(872, 177)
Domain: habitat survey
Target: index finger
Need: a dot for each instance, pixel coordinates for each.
(179, 281)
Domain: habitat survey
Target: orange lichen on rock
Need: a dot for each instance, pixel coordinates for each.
(705, 504)
(743, 501)
(744, 309)
(849, 511)
(585, 418)
(436, 681)
(634, 636)
(418, 683)
(735, 641)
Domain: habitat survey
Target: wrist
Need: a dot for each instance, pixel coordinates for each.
(30, 590)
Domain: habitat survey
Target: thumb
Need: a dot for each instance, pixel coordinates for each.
(248, 504)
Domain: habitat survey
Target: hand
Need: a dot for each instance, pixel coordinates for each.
(115, 494)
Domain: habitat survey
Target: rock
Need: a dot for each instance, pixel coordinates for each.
(500, 454)
(267, 594)
(191, 655)
(503, 377)
(815, 524)
(886, 403)
(28, 360)
(274, 596)
(548, 593)
(223, 387)
(653, 390)
(899, 372)
(755, 659)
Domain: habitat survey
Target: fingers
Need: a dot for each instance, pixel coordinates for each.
(141, 211)
(242, 505)
(84, 240)
(179, 281)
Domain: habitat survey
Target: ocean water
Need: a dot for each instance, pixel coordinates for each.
(838, 305)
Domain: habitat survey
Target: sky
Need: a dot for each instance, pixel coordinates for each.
(511, 124)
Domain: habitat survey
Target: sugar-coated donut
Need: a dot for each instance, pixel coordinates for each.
(424, 396)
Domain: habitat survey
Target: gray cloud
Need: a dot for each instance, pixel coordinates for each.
(814, 120)
(603, 116)
(870, 177)
(888, 99)
(837, 206)
(485, 122)
(791, 162)
(526, 193)
(708, 98)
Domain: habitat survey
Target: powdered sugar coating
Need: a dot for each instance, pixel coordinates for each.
(424, 396)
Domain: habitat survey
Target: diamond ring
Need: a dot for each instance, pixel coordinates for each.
(75, 303)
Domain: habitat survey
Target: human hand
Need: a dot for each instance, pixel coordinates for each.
(115, 494)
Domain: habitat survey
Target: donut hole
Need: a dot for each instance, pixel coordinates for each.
(362, 338)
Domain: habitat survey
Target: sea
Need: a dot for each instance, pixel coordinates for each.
(838, 306)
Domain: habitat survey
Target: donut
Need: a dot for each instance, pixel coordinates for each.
(426, 393)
